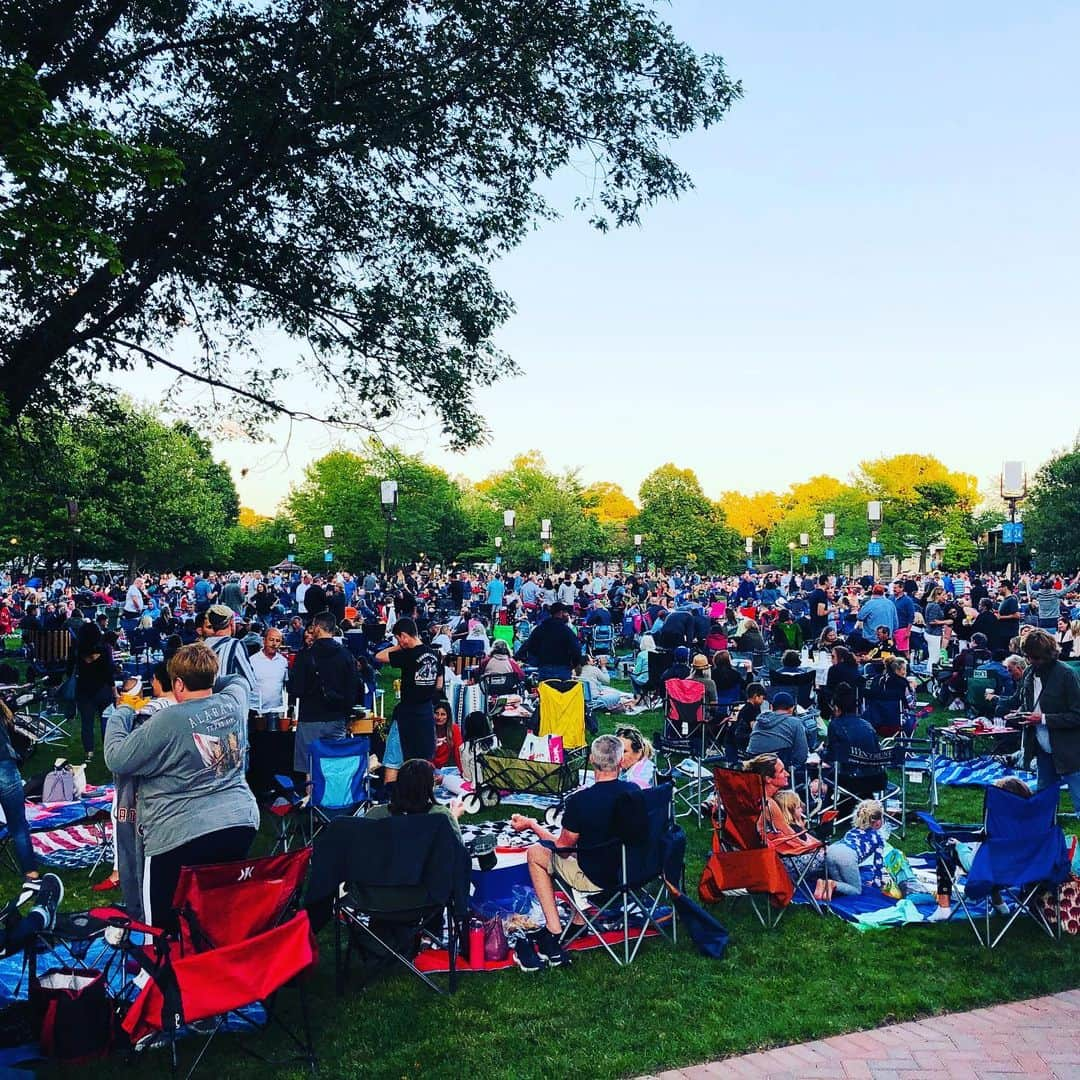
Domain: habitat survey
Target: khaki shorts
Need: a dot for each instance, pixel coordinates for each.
(566, 866)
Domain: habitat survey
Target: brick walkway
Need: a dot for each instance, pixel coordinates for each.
(1039, 1037)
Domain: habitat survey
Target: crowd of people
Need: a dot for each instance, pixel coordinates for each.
(229, 647)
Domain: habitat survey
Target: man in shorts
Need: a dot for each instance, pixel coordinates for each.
(589, 821)
(412, 726)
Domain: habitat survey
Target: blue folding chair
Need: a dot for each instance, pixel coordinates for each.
(340, 787)
(603, 639)
(1022, 855)
(633, 886)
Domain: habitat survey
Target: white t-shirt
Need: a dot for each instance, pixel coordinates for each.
(301, 592)
(1042, 732)
(270, 676)
(134, 600)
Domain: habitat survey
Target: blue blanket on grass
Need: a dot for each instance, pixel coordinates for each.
(872, 910)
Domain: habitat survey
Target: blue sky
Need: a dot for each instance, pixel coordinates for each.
(880, 256)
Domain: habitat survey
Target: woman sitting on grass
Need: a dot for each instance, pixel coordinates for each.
(414, 793)
(787, 834)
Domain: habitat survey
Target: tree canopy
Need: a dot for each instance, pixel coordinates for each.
(147, 492)
(1052, 511)
(343, 172)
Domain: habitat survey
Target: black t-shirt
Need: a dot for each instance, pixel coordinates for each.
(420, 669)
(591, 814)
(818, 622)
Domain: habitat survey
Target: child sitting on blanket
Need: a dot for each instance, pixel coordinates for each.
(947, 864)
(866, 838)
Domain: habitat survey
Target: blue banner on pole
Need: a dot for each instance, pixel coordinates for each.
(545, 556)
(873, 549)
(328, 556)
(292, 558)
(498, 560)
(830, 554)
(804, 559)
(749, 564)
(1012, 532)
(637, 559)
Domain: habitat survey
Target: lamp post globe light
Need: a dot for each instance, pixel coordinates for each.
(388, 498)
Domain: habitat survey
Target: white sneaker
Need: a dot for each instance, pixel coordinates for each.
(941, 914)
(1003, 910)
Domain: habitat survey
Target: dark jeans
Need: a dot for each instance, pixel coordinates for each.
(90, 707)
(13, 803)
(163, 871)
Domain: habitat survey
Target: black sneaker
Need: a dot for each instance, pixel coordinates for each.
(50, 894)
(525, 955)
(548, 948)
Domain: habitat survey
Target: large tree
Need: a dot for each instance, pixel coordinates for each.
(341, 489)
(149, 493)
(343, 171)
(1052, 512)
(680, 525)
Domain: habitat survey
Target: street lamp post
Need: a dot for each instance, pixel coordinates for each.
(328, 551)
(388, 497)
(829, 532)
(545, 534)
(637, 550)
(791, 556)
(498, 550)
(1013, 489)
(804, 543)
(873, 515)
(748, 543)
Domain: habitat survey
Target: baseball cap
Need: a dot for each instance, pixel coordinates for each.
(682, 654)
(783, 700)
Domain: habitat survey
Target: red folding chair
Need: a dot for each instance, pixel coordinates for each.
(242, 938)
(741, 861)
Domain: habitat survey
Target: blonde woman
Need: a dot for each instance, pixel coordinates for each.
(637, 763)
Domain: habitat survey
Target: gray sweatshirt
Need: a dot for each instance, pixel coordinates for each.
(779, 733)
(189, 761)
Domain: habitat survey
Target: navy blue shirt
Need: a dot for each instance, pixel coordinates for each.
(591, 814)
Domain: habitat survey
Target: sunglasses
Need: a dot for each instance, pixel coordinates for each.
(877, 817)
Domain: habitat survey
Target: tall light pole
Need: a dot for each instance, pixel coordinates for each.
(748, 543)
(292, 547)
(388, 497)
(1013, 489)
(829, 532)
(498, 550)
(637, 550)
(873, 515)
(804, 543)
(791, 556)
(545, 534)
(328, 552)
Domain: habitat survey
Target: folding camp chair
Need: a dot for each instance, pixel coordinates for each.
(800, 684)
(394, 883)
(241, 939)
(688, 736)
(637, 881)
(1022, 855)
(603, 640)
(562, 711)
(741, 862)
(872, 765)
(340, 787)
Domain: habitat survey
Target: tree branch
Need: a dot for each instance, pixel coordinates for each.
(220, 384)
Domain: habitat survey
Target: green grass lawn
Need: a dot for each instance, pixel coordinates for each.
(810, 978)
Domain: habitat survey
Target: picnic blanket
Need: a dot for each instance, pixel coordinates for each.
(75, 847)
(978, 772)
(872, 910)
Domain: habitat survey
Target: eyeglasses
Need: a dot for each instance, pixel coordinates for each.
(877, 817)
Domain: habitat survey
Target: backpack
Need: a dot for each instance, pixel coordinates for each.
(59, 784)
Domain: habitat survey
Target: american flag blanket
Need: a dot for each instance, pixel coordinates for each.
(76, 847)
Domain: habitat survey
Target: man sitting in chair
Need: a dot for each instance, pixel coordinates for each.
(588, 823)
